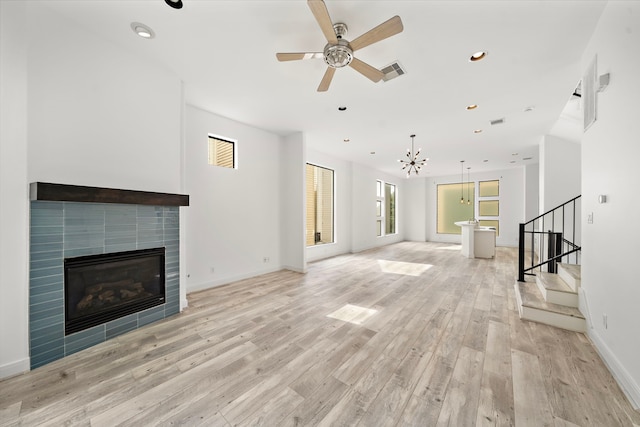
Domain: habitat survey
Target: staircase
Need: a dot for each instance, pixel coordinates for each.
(552, 298)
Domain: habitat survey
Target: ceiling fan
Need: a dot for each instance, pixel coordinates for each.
(338, 52)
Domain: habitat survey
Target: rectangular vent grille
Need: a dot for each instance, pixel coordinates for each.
(392, 71)
(497, 121)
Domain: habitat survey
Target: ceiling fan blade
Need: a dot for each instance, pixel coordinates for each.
(366, 70)
(298, 56)
(387, 29)
(319, 10)
(326, 80)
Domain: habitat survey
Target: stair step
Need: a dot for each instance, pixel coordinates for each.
(555, 290)
(532, 306)
(571, 274)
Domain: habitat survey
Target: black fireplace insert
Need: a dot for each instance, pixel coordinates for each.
(101, 288)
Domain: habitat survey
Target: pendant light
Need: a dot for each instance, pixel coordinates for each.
(461, 181)
(413, 163)
(468, 184)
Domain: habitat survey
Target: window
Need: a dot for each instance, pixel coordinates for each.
(489, 207)
(489, 188)
(450, 210)
(385, 208)
(489, 204)
(222, 152)
(319, 184)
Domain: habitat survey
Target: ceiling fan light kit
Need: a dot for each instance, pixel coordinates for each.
(338, 52)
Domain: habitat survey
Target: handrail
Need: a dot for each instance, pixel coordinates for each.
(555, 258)
(554, 209)
(555, 240)
(570, 243)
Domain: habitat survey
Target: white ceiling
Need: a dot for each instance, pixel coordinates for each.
(224, 51)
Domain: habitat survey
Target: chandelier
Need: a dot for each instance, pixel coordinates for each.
(412, 162)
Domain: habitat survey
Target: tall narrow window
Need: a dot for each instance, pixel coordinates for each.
(222, 152)
(385, 208)
(319, 184)
(390, 208)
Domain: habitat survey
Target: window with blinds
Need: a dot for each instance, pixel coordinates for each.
(222, 152)
(319, 186)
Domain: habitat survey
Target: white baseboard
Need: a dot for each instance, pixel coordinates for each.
(231, 279)
(295, 269)
(630, 388)
(15, 368)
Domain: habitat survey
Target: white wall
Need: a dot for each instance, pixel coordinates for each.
(342, 208)
(233, 221)
(293, 202)
(560, 172)
(98, 115)
(531, 191)
(93, 115)
(511, 204)
(14, 203)
(610, 154)
(363, 208)
(415, 212)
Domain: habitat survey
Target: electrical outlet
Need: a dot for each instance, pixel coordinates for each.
(265, 259)
(213, 270)
(604, 321)
(590, 218)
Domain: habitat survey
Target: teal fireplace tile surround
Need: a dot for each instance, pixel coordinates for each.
(61, 230)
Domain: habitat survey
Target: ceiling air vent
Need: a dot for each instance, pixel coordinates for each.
(392, 71)
(497, 121)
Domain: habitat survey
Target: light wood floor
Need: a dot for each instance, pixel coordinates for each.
(445, 347)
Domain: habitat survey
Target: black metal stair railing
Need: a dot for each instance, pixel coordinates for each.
(548, 238)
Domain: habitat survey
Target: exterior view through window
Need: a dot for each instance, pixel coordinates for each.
(385, 208)
(319, 185)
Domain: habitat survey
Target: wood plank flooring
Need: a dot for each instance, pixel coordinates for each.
(445, 347)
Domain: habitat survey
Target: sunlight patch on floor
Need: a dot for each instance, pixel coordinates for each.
(353, 314)
(405, 268)
(451, 248)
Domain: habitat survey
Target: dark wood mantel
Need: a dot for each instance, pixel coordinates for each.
(76, 193)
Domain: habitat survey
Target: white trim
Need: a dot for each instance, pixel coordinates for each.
(629, 387)
(15, 368)
(235, 278)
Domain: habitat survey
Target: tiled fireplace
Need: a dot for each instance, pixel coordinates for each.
(68, 229)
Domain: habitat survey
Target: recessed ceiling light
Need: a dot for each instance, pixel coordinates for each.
(514, 154)
(478, 56)
(142, 30)
(527, 158)
(485, 161)
(346, 140)
(512, 161)
(342, 108)
(477, 131)
(472, 106)
(373, 152)
(529, 109)
(176, 4)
